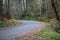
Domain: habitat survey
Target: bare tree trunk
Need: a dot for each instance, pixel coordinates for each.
(23, 5)
(1, 8)
(56, 12)
(2, 13)
(8, 16)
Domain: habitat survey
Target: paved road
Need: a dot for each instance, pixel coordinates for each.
(11, 33)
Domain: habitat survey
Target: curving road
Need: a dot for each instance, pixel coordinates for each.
(28, 26)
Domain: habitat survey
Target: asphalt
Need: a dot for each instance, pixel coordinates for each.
(24, 29)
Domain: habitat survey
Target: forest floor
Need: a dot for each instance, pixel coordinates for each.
(30, 36)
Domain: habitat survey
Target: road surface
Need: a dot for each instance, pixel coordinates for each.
(26, 27)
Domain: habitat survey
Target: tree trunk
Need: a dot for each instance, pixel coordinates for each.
(8, 16)
(2, 14)
(1, 9)
(55, 10)
(23, 5)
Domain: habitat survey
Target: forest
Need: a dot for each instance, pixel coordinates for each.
(47, 11)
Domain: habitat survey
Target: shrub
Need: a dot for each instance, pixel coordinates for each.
(47, 35)
(44, 19)
(9, 23)
(3, 25)
(55, 25)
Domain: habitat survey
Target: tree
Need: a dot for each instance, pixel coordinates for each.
(55, 9)
(6, 14)
(1, 8)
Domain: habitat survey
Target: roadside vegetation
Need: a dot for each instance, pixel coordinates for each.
(9, 23)
(47, 34)
(51, 32)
